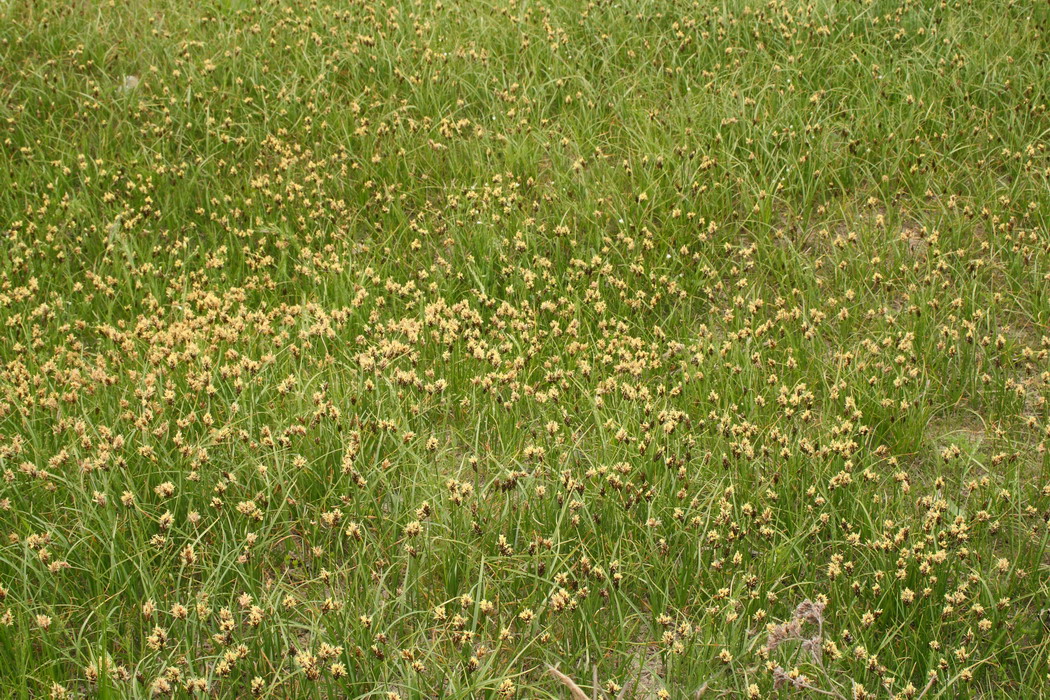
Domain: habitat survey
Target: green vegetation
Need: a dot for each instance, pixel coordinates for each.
(413, 349)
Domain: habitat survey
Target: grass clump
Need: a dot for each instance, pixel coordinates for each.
(524, 349)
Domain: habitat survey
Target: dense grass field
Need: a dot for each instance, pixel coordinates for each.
(524, 348)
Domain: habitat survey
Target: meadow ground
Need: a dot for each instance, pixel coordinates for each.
(410, 349)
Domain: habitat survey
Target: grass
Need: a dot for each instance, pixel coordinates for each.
(413, 349)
